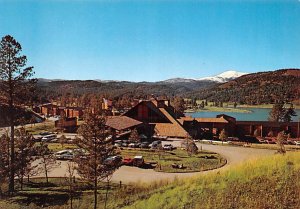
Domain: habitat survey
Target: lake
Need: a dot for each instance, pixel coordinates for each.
(257, 114)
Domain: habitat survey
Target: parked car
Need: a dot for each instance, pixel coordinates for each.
(155, 144)
(48, 138)
(138, 161)
(168, 147)
(144, 145)
(133, 145)
(233, 139)
(297, 143)
(113, 160)
(127, 161)
(124, 145)
(118, 145)
(64, 155)
(119, 141)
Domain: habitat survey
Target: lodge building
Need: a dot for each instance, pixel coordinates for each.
(157, 117)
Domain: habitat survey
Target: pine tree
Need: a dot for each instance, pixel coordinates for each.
(4, 160)
(94, 139)
(289, 113)
(178, 104)
(25, 151)
(277, 112)
(16, 87)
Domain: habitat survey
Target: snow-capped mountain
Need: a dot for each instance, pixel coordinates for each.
(223, 77)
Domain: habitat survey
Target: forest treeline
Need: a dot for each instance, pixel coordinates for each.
(256, 88)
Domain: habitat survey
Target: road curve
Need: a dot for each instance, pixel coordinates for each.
(126, 174)
(233, 155)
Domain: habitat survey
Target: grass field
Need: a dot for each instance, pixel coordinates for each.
(273, 182)
(41, 127)
(202, 161)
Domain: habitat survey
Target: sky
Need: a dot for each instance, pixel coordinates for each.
(153, 40)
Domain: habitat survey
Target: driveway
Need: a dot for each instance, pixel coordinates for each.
(126, 174)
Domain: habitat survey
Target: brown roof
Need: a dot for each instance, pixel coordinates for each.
(172, 129)
(203, 120)
(121, 122)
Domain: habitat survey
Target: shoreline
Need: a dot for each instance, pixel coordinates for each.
(219, 109)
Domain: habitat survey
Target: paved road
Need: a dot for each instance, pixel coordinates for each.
(126, 174)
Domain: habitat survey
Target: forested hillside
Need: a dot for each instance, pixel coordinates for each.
(115, 89)
(256, 88)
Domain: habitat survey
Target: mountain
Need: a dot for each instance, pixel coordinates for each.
(223, 77)
(220, 78)
(256, 88)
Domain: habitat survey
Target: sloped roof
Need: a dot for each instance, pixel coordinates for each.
(173, 129)
(121, 122)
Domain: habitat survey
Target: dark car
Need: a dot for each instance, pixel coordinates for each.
(144, 145)
(113, 160)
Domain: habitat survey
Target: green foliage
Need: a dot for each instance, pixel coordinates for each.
(279, 113)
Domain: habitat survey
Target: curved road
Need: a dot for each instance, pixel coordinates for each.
(126, 174)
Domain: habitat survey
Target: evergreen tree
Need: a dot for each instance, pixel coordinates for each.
(94, 139)
(289, 113)
(277, 112)
(25, 151)
(16, 88)
(4, 160)
(178, 104)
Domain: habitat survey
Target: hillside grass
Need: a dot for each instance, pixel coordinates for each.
(272, 182)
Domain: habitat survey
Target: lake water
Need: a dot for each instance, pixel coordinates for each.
(257, 114)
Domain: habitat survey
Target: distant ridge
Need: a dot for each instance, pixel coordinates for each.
(220, 78)
(257, 88)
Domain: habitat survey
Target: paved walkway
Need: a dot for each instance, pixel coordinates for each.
(126, 174)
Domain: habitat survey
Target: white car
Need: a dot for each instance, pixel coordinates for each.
(297, 143)
(64, 155)
(48, 138)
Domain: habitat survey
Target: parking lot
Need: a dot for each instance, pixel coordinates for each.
(127, 174)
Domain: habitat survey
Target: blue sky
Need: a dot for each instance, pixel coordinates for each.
(153, 40)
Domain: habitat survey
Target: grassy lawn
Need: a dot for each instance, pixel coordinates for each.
(202, 161)
(55, 147)
(41, 127)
